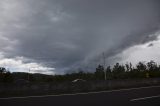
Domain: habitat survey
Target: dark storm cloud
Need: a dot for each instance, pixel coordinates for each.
(71, 33)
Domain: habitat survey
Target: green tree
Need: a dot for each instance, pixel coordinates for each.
(8, 77)
(5, 76)
(127, 67)
(2, 70)
(119, 71)
(109, 72)
(152, 66)
(99, 72)
(141, 66)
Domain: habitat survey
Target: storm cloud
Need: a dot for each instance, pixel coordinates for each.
(65, 34)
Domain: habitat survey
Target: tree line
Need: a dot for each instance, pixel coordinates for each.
(118, 71)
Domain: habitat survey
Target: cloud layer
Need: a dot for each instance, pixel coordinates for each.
(65, 34)
(142, 52)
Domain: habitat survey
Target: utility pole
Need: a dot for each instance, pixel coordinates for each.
(104, 64)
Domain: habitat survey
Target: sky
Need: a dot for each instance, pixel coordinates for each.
(60, 36)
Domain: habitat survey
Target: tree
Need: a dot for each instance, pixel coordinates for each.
(2, 70)
(152, 66)
(119, 71)
(5, 76)
(141, 66)
(99, 72)
(109, 72)
(153, 69)
(127, 67)
(8, 77)
(2, 73)
(130, 66)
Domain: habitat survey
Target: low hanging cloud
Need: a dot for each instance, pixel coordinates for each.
(143, 52)
(18, 65)
(65, 34)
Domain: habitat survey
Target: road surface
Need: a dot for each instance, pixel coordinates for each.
(144, 96)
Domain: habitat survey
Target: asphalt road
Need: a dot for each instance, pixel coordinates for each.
(144, 96)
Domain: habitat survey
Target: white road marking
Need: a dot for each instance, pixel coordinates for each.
(81, 93)
(144, 98)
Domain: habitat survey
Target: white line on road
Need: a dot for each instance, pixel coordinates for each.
(144, 98)
(81, 93)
